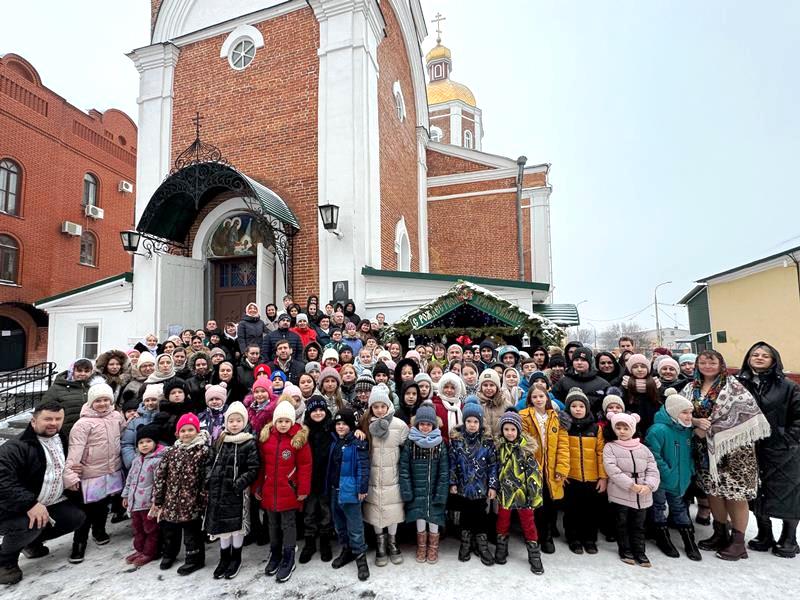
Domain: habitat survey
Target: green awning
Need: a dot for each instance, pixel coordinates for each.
(271, 203)
(565, 315)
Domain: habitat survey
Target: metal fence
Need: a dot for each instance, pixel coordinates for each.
(21, 389)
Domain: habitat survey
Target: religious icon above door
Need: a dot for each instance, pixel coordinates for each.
(237, 235)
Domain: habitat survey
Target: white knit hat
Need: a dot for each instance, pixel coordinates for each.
(284, 410)
(676, 403)
(330, 353)
(146, 358)
(97, 391)
(380, 393)
(236, 408)
(487, 375)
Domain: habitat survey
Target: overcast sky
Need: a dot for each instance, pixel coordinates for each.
(672, 128)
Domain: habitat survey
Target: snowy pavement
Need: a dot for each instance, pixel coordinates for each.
(104, 574)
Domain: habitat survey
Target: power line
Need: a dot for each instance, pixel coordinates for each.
(625, 318)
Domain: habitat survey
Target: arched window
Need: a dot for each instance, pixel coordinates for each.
(468, 141)
(9, 187)
(88, 249)
(89, 190)
(9, 259)
(436, 134)
(399, 101)
(402, 246)
(242, 54)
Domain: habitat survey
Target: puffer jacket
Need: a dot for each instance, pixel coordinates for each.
(472, 462)
(586, 454)
(348, 468)
(384, 504)
(552, 455)
(493, 409)
(285, 468)
(424, 479)
(212, 420)
(128, 440)
(671, 445)
(626, 466)
(94, 443)
(180, 488)
(320, 440)
(231, 468)
(249, 331)
(71, 395)
(260, 415)
(590, 383)
(518, 474)
(138, 488)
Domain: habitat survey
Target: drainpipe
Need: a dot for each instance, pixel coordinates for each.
(797, 269)
(520, 258)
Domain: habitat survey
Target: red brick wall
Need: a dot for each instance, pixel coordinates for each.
(155, 5)
(442, 121)
(442, 164)
(55, 144)
(398, 144)
(263, 119)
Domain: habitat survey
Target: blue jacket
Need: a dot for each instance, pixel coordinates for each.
(473, 463)
(522, 404)
(127, 442)
(348, 468)
(424, 476)
(671, 444)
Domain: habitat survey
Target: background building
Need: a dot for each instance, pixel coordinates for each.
(66, 191)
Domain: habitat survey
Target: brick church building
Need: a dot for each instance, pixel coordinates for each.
(66, 190)
(259, 118)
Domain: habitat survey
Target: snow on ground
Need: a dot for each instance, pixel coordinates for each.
(104, 574)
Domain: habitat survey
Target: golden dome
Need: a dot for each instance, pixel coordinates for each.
(445, 90)
(438, 51)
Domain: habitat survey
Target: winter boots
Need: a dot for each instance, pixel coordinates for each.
(394, 551)
(194, 540)
(422, 546)
(787, 544)
(764, 540)
(534, 557)
(736, 549)
(433, 548)
(501, 550)
(482, 549)
(309, 549)
(35, 550)
(235, 564)
(10, 574)
(689, 545)
(465, 549)
(363, 567)
(719, 540)
(287, 566)
(325, 552)
(224, 561)
(78, 552)
(664, 543)
(381, 556)
(274, 561)
(345, 557)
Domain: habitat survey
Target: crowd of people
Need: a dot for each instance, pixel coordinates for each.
(309, 423)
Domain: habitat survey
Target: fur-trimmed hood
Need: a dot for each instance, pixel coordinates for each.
(298, 432)
(102, 361)
(530, 447)
(458, 433)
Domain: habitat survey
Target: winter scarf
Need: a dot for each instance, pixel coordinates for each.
(453, 407)
(200, 438)
(470, 389)
(631, 444)
(736, 419)
(379, 427)
(423, 440)
(158, 377)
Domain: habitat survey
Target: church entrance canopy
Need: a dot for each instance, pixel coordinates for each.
(470, 310)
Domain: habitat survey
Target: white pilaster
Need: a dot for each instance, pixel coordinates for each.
(541, 253)
(478, 129)
(422, 200)
(348, 162)
(156, 66)
(455, 125)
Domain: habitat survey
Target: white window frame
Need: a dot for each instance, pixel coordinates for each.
(437, 135)
(81, 337)
(402, 246)
(93, 262)
(438, 71)
(399, 101)
(243, 33)
(469, 140)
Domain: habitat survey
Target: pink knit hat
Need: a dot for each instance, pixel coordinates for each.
(217, 391)
(631, 420)
(668, 361)
(262, 382)
(187, 419)
(637, 359)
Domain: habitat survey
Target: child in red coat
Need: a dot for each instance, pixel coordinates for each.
(283, 484)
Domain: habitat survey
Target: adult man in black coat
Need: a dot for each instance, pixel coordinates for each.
(269, 345)
(244, 369)
(33, 505)
(581, 374)
(285, 362)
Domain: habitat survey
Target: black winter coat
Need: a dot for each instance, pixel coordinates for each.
(197, 391)
(71, 395)
(273, 337)
(320, 440)
(229, 473)
(294, 369)
(249, 331)
(22, 468)
(779, 454)
(590, 383)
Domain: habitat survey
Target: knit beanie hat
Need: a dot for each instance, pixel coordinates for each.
(421, 376)
(557, 361)
(426, 413)
(236, 408)
(187, 419)
(676, 403)
(576, 395)
(262, 382)
(365, 382)
(612, 399)
(381, 368)
(97, 391)
(292, 389)
(313, 365)
(347, 416)
(330, 353)
(637, 359)
(330, 372)
(486, 375)
(145, 358)
(130, 404)
(151, 431)
(172, 384)
(316, 402)
(261, 370)
(472, 408)
(218, 350)
(284, 317)
(513, 418)
(153, 390)
(583, 353)
(414, 355)
(487, 343)
(217, 391)
(278, 375)
(631, 419)
(539, 375)
(284, 410)
(383, 355)
(668, 360)
(685, 358)
(301, 317)
(378, 393)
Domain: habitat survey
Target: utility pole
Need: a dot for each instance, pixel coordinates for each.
(655, 302)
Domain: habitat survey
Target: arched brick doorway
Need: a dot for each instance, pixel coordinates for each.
(12, 345)
(32, 322)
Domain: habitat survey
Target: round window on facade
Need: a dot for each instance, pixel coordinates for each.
(242, 54)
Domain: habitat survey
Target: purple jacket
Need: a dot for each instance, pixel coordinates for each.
(626, 466)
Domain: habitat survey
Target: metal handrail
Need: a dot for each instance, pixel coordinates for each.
(14, 399)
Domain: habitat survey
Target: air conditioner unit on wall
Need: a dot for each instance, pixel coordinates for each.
(126, 187)
(95, 212)
(71, 228)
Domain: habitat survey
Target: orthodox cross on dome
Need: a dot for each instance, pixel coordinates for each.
(438, 20)
(196, 120)
(198, 151)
